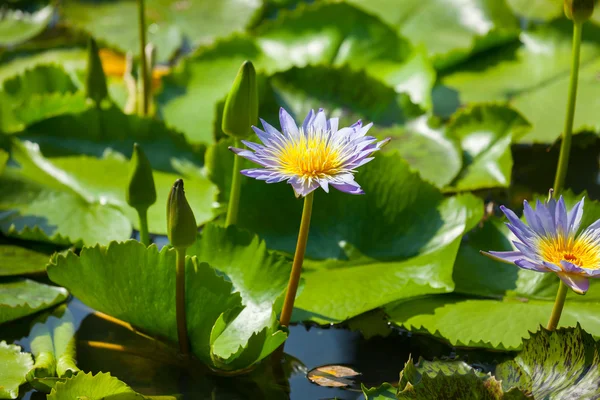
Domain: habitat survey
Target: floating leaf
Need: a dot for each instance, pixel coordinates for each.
(383, 392)
(537, 9)
(485, 133)
(17, 26)
(461, 28)
(16, 260)
(93, 387)
(323, 34)
(425, 147)
(258, 275)
(464, 321)
(360, 241)
(90, 190)
(533, 78)
(143, 294)
(332, 376)
(561, 364)
(22, 297)
(15, 365)
(168, 23)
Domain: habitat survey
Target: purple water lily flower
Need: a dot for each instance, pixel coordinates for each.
(312, 155)
(550, 243)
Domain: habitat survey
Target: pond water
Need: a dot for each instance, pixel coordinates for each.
(378, 359)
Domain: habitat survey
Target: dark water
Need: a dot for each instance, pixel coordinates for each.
(377, 359)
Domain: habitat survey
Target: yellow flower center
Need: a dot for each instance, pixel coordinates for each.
(310, 156)
(580, 251)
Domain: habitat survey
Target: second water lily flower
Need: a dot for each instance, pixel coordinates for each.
(550, 242)
(316, 154)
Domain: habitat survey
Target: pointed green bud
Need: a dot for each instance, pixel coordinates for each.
(579, 10)
(141, 193)
(181, 223)
(241, 106)
(95, 81)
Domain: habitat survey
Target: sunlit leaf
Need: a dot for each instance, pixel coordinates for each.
(461, 28)
(17, 26)
(15, 365)
(537, 9)
(93, 387)
(22, 297)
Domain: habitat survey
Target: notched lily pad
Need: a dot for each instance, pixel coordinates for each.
(15, 365)
(22, 297)
(137, 285)
(17, 260)
(562, 364)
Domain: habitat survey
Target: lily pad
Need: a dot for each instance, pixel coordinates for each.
(22, 297)
(15, 365)
(533, 78)
(486, 132)
(562, 364)
(357, 242)
(17, 26)
(487, 323)
(461, 28)
(539, 10)
(424, 147)
(17, 260)
(326, 34)
(137, 285)
(91, 191)
(168, 23)
(258, 275)
(93, 387)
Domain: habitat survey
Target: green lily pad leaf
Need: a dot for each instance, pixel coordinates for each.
(561, 364)
(464, 321)
(542, 10)
(532, 78)
(322, 34)
(460, 29)
(22, 297)
(485, 133)
(383, 392)
(93, 387)
(359, 241)
(244, 258)
(91, 191)
(98, 277)
(15, 365)
(13, 64)
(425, 147)
(168, 23)
(17, 260)
(17, 26)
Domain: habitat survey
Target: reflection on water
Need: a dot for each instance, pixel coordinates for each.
(378, 359)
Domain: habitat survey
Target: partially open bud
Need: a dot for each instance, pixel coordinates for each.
(181, 223)
(141, 193)
(579, 10)
(241, 106)
(95, 80)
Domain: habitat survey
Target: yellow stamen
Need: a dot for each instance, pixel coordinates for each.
(580, 251)
(310, 156)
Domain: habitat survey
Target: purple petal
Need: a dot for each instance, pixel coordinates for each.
(303, 187)
(532, 219)
(579, 284)
(515, 221)
(562, 220)
(508, 257)
(288, 125)
(526, 264)
(552, 267)
(333, 124)
(575, 216)
(546, 218)
(320, 122)
(308, 121)
(351, 189)
(570, 267)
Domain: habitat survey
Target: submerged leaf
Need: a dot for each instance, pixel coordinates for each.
(15, 365)
(22, 297)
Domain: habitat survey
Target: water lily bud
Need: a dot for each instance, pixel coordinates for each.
(141, 192)
(95, 81)
(241, 106)
(181, 223)
(579, 10)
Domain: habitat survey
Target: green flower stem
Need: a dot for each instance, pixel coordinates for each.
(559, 303)
(144, 234)
(565, 148)
(143, 61)
(290, 296)
(184, 346)
(236, 185)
